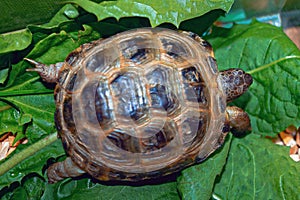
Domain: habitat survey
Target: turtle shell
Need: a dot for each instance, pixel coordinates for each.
(141, 104)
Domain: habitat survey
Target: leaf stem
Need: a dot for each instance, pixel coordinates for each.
(272, 63)
(29, 151)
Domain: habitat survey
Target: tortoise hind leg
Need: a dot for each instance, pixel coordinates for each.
(239, 121)
(60, 170)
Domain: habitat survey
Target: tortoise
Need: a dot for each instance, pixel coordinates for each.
(142, 104)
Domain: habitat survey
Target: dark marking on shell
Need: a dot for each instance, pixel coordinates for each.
(194, 85)
(160, 99)
(139, 145)
(226, 128)
(57, 121)
(222, 105)
(68, 115)
(139, 55)
(174, 49)
(207, 45)
(70, 85)
(191, 75)
(74, 56)
(63, 74)
(192, 35)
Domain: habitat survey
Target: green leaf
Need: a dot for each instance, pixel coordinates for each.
(258, 169)
(40, 107)
(197, 182)
(66, 14)
(81, 189)
(274, 62)
(158, 12)
(57, 46)
(9, 118)
(3, 75)
(18, 14)
(14, 41)
(34, 187)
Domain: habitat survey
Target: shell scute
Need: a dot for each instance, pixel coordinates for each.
(194, 86)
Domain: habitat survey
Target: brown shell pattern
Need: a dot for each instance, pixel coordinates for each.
(140, 104)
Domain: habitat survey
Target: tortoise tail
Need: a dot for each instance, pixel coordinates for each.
(60, 170)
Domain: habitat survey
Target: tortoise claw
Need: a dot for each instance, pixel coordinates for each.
(38, 66)
(32, 61)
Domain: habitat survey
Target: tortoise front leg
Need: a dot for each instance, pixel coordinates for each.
(239, 120)
(60, 170)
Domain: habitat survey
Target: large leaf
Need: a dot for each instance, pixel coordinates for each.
(158, 12)
(258, 169)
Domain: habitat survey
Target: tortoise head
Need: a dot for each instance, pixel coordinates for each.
(235, 82)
